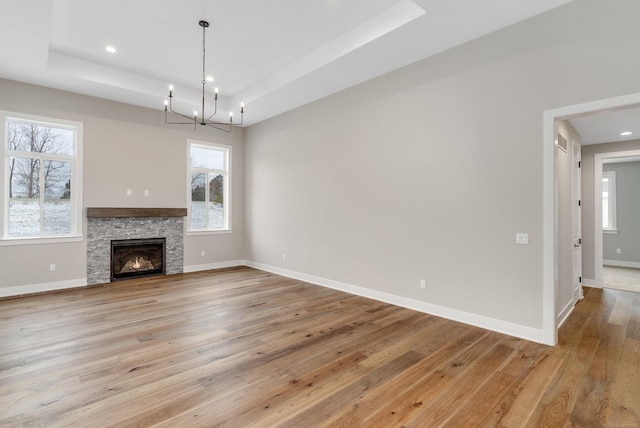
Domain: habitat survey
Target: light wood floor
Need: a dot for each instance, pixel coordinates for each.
(240, 348)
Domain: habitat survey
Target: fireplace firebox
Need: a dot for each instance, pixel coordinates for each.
(137, 258)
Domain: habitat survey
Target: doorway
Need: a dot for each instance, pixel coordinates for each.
(550, 213)
(617, 231)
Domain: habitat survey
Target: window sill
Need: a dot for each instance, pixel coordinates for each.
(610, 232)
(209, 232)
(41, 240)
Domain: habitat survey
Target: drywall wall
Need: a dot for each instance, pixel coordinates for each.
(588, 210)
(430, 171)
(627, 238)
(125, 147)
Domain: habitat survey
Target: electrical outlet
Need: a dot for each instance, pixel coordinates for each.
(146, 193)
(522, 238)
(202, 253)
(423, 283)
(619, 251)
(129, 192)
(284, 257)
(52, 267)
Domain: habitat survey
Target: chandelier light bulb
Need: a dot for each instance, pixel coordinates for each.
(171, 87)
(195, 113)
(166, 103)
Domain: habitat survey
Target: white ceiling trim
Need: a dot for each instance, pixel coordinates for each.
(385, 22)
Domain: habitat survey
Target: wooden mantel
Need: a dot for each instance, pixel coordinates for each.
(135, 212)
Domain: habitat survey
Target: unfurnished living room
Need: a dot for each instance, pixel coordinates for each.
(363, 213)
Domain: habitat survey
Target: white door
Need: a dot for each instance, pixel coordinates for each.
(577, 221)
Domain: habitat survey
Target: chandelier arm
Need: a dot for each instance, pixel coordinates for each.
(191, 118)
(212, 125)
(230, 123)
(230, 119)
(215, 108)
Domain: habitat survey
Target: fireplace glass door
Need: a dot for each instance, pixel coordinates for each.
(137, 257)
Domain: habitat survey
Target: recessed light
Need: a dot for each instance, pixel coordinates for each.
(625, 133)
(110, 49)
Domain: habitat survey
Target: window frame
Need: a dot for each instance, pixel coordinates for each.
(75, 159)
(611, 203)
(227, 178)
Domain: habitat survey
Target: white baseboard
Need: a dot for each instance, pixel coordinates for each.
(621, 263)
(511, 329)
(564, 314)
(21, 290)
(209, 266)
(505, 327)
(590, 283)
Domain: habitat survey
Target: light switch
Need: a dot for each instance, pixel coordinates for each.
(522, 238)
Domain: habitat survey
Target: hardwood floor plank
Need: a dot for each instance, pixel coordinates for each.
(592, 407)
(323, 411)
(401, 397)
(624, 410)
(518, 406)
(241, 347)
(471, 374)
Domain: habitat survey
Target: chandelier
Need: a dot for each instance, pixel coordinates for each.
(202, 119)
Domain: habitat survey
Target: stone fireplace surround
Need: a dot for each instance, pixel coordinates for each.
(105, 224)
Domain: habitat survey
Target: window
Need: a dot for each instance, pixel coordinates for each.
(41, 175)
(609, 201)
(209, 187)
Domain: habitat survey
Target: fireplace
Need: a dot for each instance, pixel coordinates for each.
(106, 224)
(137, 258)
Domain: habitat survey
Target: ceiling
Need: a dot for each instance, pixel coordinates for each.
(272, 55)
(606, 126)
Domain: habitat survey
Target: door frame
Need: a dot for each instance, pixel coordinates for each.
(576, 220)
(597, 217)
(550, 206)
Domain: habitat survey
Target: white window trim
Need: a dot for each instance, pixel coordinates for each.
(227, 174)
(76, 182)
(611, 175)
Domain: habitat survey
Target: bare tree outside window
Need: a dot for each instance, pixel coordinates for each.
(209, 176)
(40, 177)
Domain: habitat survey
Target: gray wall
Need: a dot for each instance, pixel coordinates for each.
(125, 147)
(588, 210)
(428, 172)
(628, 214)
